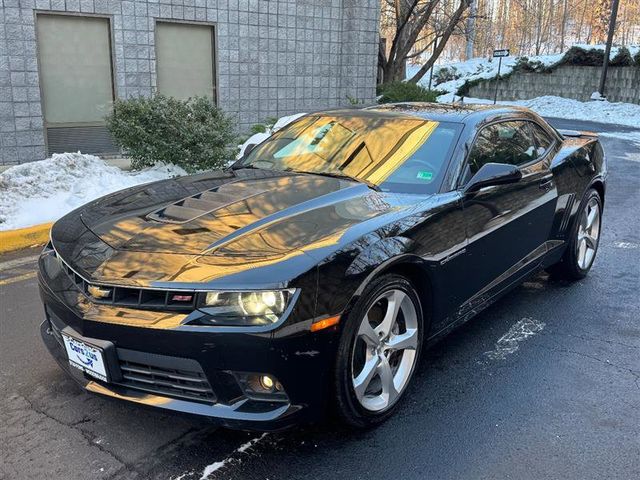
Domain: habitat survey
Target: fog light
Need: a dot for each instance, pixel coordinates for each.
(266, 382)
(260, 386)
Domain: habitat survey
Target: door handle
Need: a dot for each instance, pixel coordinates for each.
(546, 185)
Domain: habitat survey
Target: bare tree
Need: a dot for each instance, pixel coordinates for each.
(423, 31)
(411, 25)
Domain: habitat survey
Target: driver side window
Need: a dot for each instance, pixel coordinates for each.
(505, 142)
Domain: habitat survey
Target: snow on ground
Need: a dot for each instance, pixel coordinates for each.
(627, 114)
(43, 191)
(245, 448)
(630, 136)
(596, 111)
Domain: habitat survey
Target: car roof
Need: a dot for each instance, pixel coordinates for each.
(451, 112)
(440, 112)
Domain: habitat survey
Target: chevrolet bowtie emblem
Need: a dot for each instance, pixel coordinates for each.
(99, 292)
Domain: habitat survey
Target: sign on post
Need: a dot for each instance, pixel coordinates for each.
(499, 53)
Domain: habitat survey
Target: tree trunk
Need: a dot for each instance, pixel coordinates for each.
(563, 25)
(471, 30)
(464, 4)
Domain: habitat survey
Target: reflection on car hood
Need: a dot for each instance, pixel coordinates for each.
(242, 216)
(220, 223)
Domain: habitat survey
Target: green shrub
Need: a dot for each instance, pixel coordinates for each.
(523, 64)
(355, 101)
(636, 58)
(268, 123)
(193, 133)
(622, 59)
(463, 90)
(585, 58)
(405, 92)
(263, 127)
(258, 128)
(446, 74)
(595, 57)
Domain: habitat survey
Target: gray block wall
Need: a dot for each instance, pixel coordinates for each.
(274, 57)
(623, 84)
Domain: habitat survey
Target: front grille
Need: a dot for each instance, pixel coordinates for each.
(56, 325)
(163, 375)
(144, 298)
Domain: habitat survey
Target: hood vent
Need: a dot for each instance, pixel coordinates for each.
(203, 203)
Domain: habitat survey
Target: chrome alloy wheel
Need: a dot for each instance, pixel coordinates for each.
(384, 351)
(588, 233)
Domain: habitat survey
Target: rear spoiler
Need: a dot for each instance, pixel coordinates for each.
(576, 133)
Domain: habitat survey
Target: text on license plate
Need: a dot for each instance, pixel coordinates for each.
(85, 357)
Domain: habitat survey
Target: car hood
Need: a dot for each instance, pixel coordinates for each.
(205, 227)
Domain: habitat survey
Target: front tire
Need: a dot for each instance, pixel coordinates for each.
(379, 349)
(584, 240)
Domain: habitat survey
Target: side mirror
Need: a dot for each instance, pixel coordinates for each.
(491, 174)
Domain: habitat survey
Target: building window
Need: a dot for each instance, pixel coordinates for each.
(76, 79)
(184, 58)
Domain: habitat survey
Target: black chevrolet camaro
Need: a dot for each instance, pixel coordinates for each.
(308, 277)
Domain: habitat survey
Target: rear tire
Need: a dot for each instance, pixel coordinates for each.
(584, 240)
(378, 351)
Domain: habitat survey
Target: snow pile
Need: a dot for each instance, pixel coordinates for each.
(488, 68)
(43, 191)
(627, 114)
(262, 136)
(596, 111)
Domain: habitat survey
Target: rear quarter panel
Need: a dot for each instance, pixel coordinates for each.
(578, 165)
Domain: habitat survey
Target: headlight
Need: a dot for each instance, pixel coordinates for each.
(255, 307)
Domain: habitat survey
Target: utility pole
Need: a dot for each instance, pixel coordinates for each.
(471, 29)
(607, 50)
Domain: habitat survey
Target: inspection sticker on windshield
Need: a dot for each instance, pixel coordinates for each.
(425, 176)
(85, 357)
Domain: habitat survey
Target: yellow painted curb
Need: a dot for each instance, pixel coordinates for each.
(12, 240)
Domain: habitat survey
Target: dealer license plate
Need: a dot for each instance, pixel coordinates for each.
(85, 357)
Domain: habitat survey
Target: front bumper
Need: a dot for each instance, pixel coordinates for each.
(300, 360)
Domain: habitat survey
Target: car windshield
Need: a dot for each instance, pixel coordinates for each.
(400, 154)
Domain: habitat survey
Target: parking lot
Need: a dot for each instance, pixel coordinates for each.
(544, 384)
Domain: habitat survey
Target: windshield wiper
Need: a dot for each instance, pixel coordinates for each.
(241, 167)
(372, 186)
(344, 176)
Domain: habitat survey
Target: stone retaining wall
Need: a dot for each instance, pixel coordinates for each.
(623, 84)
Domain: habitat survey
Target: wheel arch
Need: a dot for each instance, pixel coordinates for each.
(419, 278)
(416, 271)
(598, 186)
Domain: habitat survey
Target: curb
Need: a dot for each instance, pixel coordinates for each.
(11, 240)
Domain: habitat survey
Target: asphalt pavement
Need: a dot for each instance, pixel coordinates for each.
(544, 384)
